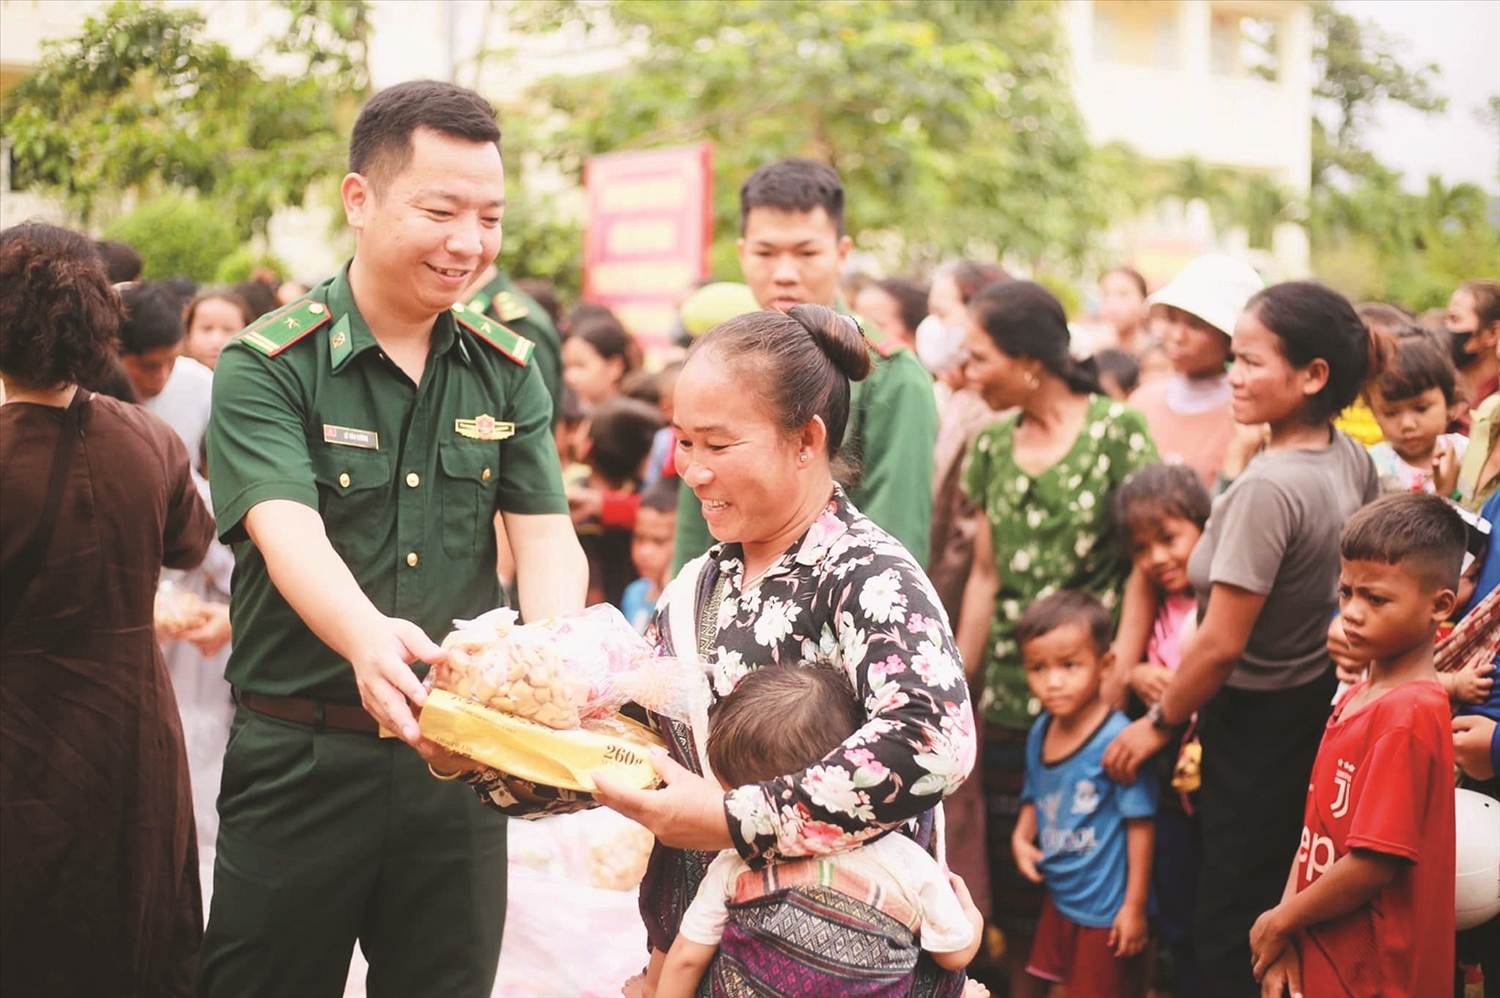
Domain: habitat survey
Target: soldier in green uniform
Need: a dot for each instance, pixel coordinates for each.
(498, 298)
(792, 247)
(361, 442)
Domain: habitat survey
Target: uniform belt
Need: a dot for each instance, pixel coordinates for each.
(298, 710)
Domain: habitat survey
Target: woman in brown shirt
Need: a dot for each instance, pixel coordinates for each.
(99, 890)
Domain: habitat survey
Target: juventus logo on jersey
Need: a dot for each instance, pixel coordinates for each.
(1342, 777)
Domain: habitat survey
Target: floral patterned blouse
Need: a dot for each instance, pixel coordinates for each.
(1050, 532)
(848, 595)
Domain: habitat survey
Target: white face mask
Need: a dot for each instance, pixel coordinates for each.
(938, 346)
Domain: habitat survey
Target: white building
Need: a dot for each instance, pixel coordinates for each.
(1226, 82)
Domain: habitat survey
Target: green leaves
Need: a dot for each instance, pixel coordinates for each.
(142, 102)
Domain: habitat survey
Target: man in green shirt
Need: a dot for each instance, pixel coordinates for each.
(792, 248)
(362, 439)
(498, 298)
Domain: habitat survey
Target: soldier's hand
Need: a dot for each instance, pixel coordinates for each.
(388, 688)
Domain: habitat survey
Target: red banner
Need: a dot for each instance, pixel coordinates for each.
(650, 223)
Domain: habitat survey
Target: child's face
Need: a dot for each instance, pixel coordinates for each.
(1387, 610)
(1194, 348)
(1412, 425)
(1063, 670)
(1160, 550)
(651, 545)
(215, 321)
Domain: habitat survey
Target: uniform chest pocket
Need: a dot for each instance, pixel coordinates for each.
(470, 470)
(354, 488)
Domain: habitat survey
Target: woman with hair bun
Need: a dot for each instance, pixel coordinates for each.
(1266, 573)
(1042, 479)
(99, 881)
(799, 576)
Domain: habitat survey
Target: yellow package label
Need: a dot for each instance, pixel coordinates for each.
(535, 752)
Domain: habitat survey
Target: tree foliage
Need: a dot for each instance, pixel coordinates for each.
(951, 123)
(182, 236)
(141, 101)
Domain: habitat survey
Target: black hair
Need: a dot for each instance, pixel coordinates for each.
(1416, 365)
(1410, 527)
(190, 312)
(381, 145)
(1381, 317)
(1486, 295)
(182, 289)
(794, 185)
(1064, 607)
(661, 495)
(544, 293)
(1121, 365)
(969, 276)
(1157, 491)
(621, 432)
(608, 336)
(59, 317)
(570, 411)
(910, 297)
(1025, 320)
(259, 296)
(1133, 275)
(122, 264)
(781, 719)
(801, 362)
(153, 319)
(115, 383)
(1314, 322)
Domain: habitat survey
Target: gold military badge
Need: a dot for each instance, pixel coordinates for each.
(484, 428)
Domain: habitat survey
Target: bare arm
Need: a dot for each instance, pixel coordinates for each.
(317, 584)
(551, 570)
(1023, 844)
(979, 601)
(684, 968)
(1137, 612)
(1128, 934)
(1352, 882)
(959, 959)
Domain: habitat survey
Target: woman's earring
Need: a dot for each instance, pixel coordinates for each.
(1032, 381)
(802, 457)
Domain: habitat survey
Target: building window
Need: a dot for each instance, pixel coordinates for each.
(1136, 32)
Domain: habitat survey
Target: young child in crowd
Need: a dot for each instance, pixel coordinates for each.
(1163, 508)
(815, 710)
(616, 445)
(1194, 316)
(1413, 400)
(1119, 372)
(1096, 836)
(651, 550)
(1368, 906)
(212, 319)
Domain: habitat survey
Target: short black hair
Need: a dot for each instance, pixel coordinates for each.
(621, 432)
(1064, 607)
(122, 263)
(259, 296)
(910, 297)
(153, 319)
(1121, 365)
(1423, 532)
(1417, 365)
(799, 185)
(1157, 491)
(381, 147)
(661, 495)
(781, 719)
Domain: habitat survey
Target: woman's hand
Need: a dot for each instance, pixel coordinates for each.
(1349, 666)
(1444, 467)
(1247, 441)
(1149, 681)
(212, 633)
(686, 813)
(1131, 747)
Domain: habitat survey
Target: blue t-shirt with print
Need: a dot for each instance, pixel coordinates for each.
(1080, 816)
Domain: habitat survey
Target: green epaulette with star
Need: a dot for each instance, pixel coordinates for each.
(497, 335)
(275, 331)
(507, 306)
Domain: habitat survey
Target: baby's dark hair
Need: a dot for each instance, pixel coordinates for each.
(1423, 533)
(661, 495)
(1157, 491)
(1416, 365)
(1064, 607)
(779, 720)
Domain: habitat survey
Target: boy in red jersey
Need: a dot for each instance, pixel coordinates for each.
(1368, 908)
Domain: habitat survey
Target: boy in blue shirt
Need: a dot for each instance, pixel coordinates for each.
(1095, 835)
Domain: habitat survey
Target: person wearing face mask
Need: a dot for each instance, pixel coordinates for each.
(1473, 322)
(1479, 474)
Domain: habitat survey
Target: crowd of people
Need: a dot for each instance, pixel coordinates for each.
(1128, 653)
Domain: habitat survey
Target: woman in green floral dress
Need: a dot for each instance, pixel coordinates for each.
(1044, 478)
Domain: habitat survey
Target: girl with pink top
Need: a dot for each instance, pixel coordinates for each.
(1162, 509)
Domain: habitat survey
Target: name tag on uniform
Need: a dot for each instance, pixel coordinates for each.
(365, 439)
(484, 428)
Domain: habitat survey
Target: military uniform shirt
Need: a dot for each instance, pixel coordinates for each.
(501, 299)
(407, 477)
